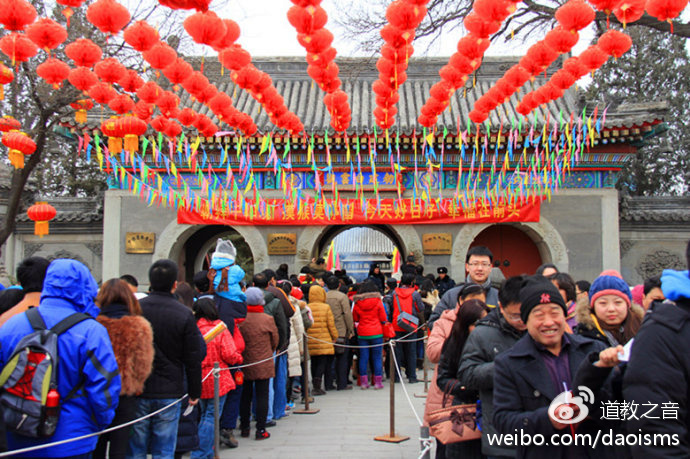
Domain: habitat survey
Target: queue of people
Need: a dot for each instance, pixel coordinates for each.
(510, 352)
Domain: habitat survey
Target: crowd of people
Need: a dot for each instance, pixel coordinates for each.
(507, 346)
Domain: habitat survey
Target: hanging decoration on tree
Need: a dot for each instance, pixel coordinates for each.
(6, 77)
(82, 106)
(15, 15)
(53, 71)
(108, 16)
(18, 47)
(20, 145)
(41, 214)
(8, 123)
(46, 34)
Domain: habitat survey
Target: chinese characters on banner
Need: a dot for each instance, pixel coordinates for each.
(356, 212)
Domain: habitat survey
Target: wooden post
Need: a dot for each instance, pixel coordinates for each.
(305, 388)
(391, 437)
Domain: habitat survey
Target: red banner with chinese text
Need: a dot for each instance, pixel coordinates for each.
(351, 212)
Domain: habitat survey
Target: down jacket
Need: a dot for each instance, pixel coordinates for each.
(587, 328)
(323, 328)
(132, 340)
(492, 336)
(296, 347)
(438, 336)
(86, 357)
(342, 313)
(369, 314)
(261, 340)
(220, 349)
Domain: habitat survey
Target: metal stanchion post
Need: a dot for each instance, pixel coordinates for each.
(391, 437)
(216, 409)
(425, 364)
(423, 435)
(305, 388)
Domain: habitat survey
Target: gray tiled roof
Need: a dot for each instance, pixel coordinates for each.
(304, 98)
(363, 241)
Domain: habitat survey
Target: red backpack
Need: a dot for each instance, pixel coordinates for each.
(406, 319)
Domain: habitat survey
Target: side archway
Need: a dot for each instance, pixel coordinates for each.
(549, 242)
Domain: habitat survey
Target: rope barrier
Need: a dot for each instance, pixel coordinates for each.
(369, 346)
(209, 374)
(400, 378)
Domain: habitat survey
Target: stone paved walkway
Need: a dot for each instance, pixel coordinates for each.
(344, 428)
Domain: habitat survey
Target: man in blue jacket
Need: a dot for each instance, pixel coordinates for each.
(86, 358)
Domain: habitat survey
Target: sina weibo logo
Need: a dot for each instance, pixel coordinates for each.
(545, 298)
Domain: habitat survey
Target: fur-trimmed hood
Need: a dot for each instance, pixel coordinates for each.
(583, 313)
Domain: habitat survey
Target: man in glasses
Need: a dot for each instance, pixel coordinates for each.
(478, 264)
(495, 333)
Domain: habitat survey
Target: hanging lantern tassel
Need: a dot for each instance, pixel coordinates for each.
(115, 144)
(80, 116)
(131, 142)
(67, 13)
(16, 159)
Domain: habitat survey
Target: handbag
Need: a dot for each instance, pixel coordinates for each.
(339, 349)
(406, 321)
(454, 424)
(388, 331)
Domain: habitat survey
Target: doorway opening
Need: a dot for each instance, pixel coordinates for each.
(201, 245)
(515, 252)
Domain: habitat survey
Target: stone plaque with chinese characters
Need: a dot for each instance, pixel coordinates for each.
(437, 243)
(140, 242)
(282, 243)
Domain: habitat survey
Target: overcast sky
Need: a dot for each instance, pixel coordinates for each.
(267, 32)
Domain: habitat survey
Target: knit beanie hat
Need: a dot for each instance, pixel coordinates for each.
(225, 249)
(609, 282)
(255, 297)
(539, 290)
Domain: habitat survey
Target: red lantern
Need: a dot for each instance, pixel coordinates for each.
(205, 28)
(84, 52)
(82, 78)
(41, 213)
(494, 10)
(396, 37)
(563, 79)
(453, 76)
(6, 77)
(141, 36)
(149, 92)
(234, 57)
(173, 129)
(167, 102)
(46, 33)
(108, 16)
(187, 116)
(19, 144)
(607, 6)
(441, 90)
(517, 76)
(461, 63)
(396, 55)
(478, 117)
(323, 74)
(307, 20)
(110, 70)
(7, 123)
(143, 110)
(473, 47)
(427, 121)
(160, 56)
(218, 103)
(18, 47)
(615, 43)
(405, 15)
(160, 123)
(121, 104)
(81, 106)
(480, 26)
(629, 11)
(593, 58)
(576, 68)
(68, 12)
(207, 94)
(54, 71)
(132, 128)
(561, 40)
(112, 128)
(232, 33)
(666, 10)
(316, 42)
(17, 14)
(131, 81)
(195, 83)
(178, 71)
(542, 55)
(575, 15)
(102, 93)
